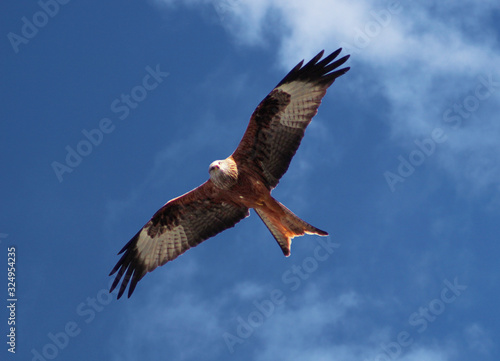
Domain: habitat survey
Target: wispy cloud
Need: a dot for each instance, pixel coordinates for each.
(422, 62)
(421, 56)
(187, 325)
(479, 339)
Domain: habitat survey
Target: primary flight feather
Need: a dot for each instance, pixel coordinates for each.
(242, 181)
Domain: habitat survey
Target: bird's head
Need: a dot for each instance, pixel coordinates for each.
(223, 173)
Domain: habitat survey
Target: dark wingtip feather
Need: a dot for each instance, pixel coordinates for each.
(317, 70)
(127, 268)
(125, 281)
(133, 284)
(314, 60)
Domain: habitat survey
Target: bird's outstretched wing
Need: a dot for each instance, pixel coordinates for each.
(278, 124)
(182, 223)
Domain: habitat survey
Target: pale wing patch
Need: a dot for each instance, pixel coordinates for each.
(304, 101)
(155, 251)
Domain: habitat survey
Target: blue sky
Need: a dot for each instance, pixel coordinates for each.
(400, 166)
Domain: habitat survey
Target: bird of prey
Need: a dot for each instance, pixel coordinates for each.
(242, 181)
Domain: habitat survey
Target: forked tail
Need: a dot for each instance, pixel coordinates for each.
(284, 225)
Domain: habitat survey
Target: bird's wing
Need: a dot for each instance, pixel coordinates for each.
(182, 223)
(278, 123)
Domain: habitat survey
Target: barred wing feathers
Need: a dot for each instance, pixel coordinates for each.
(278, 124)
(182, 223)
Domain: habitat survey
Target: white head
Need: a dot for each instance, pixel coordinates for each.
(223, 173)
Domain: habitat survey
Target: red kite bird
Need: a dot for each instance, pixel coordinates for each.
(243, 180)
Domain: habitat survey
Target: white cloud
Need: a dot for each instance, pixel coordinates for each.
(313, 325)
(297, 330)
(182, 324)
(429, 354)
(423, 57)
(478, 339)
(248, 290)
(422, 62)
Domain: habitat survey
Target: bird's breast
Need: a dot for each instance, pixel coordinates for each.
(250, 191)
